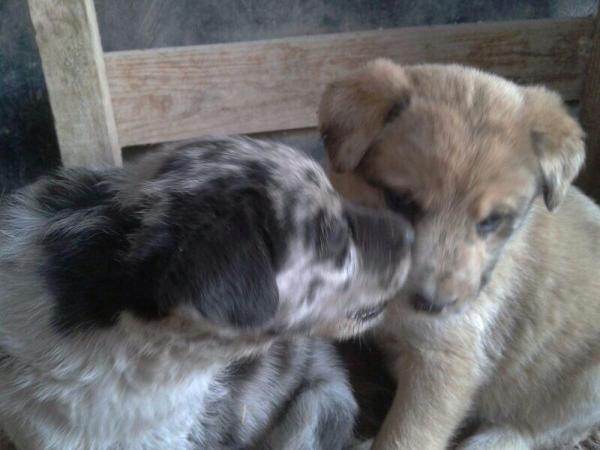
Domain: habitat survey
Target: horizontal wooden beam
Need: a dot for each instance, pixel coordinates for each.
(176, 93)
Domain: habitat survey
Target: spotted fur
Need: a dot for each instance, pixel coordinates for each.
(177, 304)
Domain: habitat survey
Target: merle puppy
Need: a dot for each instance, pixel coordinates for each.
(181, 303)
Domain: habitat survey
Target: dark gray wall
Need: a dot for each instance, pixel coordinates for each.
(27, 141)
(151, 23)
(28, 145)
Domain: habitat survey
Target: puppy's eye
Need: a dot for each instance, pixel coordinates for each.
(490, 224)
(401, 203)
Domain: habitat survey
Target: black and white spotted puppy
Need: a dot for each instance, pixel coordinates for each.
(181, 303)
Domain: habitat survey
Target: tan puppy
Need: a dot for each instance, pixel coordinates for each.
(500, 319)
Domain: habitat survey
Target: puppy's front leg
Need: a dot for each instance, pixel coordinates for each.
(320, 416)
(496, 438)
(434, 392)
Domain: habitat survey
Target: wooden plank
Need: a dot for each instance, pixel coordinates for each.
(176, 93)
(72, 59)
(590, 118)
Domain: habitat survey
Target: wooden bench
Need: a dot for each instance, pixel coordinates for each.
(105, 101)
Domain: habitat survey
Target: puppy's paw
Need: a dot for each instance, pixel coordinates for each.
(495, 438)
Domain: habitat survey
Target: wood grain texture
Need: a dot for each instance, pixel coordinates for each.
(176, 93)
(72, 59)
(590, 118)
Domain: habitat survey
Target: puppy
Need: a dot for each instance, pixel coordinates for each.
(499, 321)
(182, 303)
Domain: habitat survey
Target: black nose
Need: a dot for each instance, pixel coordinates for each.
(382, 237)
(431, 304)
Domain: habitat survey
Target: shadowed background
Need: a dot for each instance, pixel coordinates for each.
(28, 145)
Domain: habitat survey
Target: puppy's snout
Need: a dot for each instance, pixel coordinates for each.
(431, 304)
(434, 297)
(382, 237)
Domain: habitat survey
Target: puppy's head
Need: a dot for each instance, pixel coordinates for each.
(221, 239)
(461, 152)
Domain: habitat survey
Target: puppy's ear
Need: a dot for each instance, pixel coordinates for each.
(216, 259)
(238, 279)
(558, 142)
(354, 110)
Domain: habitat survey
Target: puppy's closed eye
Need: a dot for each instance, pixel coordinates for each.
(402, 203)
(493, 223)
(490, 224)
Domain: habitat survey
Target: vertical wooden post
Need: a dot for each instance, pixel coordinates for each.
(590, 118)
(73, 62)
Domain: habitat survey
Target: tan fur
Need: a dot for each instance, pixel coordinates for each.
(515, 345)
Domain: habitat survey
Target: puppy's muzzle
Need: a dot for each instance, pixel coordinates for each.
(384, 241)
(434, 295)
(383, 238)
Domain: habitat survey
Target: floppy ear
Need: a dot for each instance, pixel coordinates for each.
(557, 142)
(238, 280)
(354, 110)
(216, 259)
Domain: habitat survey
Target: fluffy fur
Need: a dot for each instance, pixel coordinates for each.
(169, 305)
(498, 324)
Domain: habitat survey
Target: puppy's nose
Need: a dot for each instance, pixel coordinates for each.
(431, 304)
